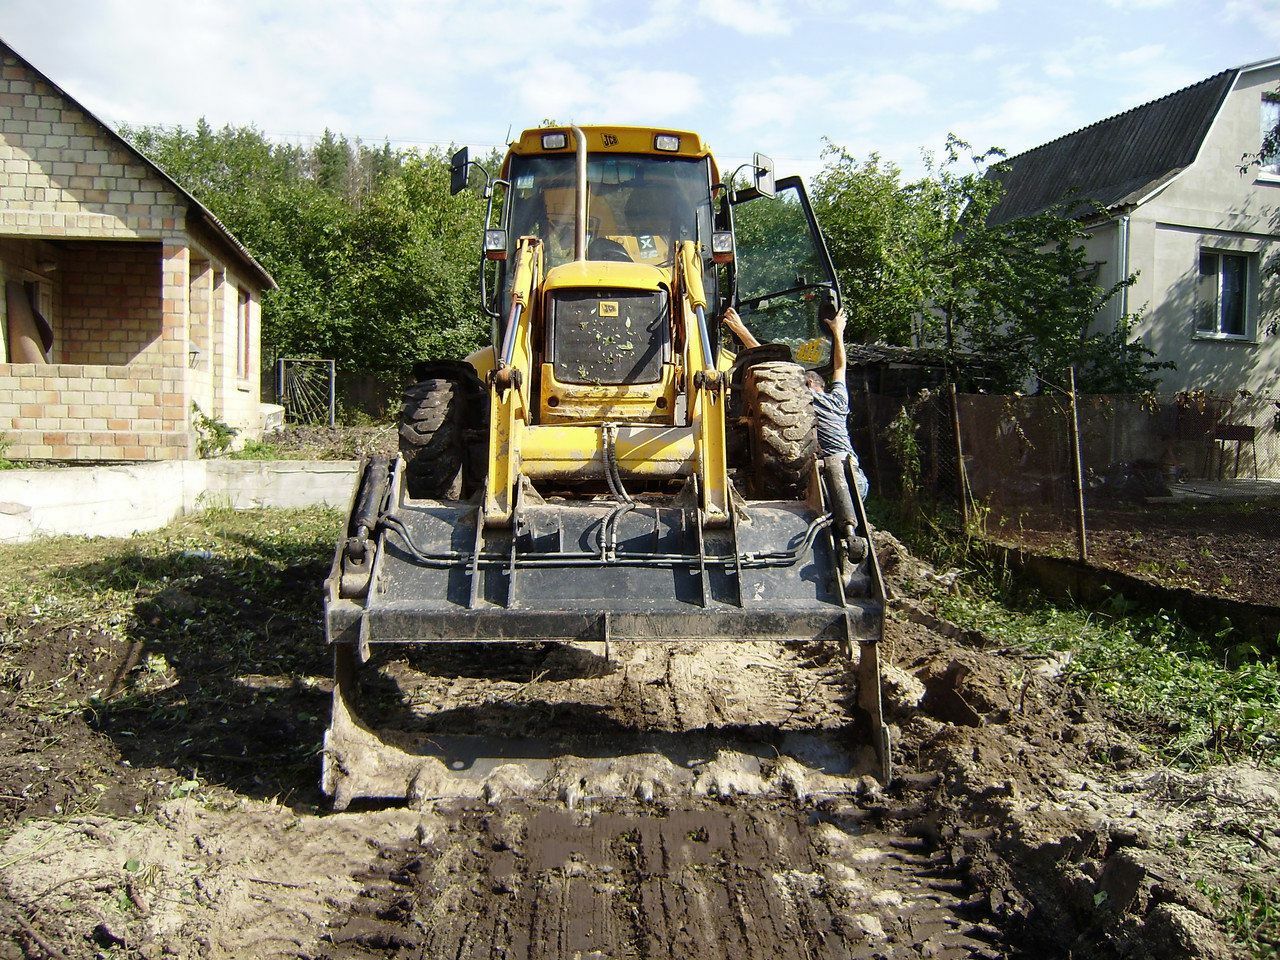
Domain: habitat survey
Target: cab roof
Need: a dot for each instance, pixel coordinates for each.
(612, 139)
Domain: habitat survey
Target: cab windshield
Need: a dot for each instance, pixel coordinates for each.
(638, 206)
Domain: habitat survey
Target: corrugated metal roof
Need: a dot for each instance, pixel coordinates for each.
(195, 206)
(1115, 161)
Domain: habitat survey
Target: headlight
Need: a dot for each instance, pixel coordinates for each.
(722, 247)
(666, 141)
(554, 141)
(495, 244)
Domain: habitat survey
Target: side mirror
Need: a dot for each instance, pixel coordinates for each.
(458, 171)
(764, 175)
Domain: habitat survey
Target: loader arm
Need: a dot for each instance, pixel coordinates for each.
(707, 391)
(509, 385)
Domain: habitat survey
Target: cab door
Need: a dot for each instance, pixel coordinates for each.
(784, 281)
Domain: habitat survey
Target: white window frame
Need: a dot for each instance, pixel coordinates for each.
(1269, 119)
(1217, 333)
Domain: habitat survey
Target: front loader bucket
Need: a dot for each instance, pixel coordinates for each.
(428, 572)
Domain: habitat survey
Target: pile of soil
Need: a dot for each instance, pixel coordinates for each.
(1022, 819)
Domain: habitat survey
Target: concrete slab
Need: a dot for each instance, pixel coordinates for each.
(119, 500)
(1242, 489)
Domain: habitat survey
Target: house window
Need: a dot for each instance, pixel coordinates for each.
(1271, 133)
(1223, 295)
(243, 330)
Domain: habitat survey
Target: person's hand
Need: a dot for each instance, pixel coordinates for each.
(733, 321)
(837, 323)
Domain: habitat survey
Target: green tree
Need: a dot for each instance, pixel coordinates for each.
(870, 225)
(920, 263)
(376, 262)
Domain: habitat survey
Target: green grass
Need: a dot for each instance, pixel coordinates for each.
(1204, 700)
(1251, 916)
(1201, 697)
(264, 450)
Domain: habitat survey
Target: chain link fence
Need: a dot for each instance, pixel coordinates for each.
(1181, 489)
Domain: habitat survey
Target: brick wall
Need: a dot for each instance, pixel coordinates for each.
(110, 311)
(92, 412)
(64, 174)
(124, 313)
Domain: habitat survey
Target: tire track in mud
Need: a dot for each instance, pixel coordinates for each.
(752, 880)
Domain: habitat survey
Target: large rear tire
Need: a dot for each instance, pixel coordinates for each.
(438, 423)
(782, 428)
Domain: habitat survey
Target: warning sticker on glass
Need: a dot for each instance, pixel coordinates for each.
(608, 308)
(811, 350)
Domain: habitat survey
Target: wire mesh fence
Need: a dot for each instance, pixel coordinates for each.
(306, 390)
(1183, 489)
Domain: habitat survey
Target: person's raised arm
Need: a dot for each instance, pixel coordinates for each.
(739, 329)
(838, 358)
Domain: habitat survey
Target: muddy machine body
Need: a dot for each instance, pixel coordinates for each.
(609, 470)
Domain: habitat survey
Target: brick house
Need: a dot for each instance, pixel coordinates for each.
(126, 304)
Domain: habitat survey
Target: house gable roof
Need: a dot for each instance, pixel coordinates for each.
(194, 206)
(1117, 161)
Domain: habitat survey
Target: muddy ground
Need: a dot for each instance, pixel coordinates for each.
(1224, 549)
(168, 807)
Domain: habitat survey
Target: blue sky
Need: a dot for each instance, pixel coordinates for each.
(891, 76)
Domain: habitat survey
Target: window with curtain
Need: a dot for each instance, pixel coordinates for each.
(1222, 307)
(1271, 133)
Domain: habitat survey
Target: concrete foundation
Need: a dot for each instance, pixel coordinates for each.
(116, 501)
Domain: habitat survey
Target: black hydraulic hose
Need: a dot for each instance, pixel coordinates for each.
(581, 558)
(613, 476)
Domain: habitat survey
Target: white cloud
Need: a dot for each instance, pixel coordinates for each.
(1017, 122)
(969, 6)
(755, 17)
(566, 92)
(1258, 15)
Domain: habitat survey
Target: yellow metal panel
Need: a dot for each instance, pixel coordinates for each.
(483, 360)
(603, 273)
(597, 403)
(613, 139)
(567, 452)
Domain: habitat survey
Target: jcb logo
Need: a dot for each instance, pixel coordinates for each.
(608, 308)
(609, 139)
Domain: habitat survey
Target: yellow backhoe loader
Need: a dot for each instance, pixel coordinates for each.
(612, 468)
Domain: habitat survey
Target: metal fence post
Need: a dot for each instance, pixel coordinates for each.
(333, 387)
(962, 481)
(1077, 460)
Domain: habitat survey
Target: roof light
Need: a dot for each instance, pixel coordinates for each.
(495, 244)
(722, 247)
(666, 141)
(554, 141)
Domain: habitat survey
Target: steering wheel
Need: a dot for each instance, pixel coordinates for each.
(602, 248)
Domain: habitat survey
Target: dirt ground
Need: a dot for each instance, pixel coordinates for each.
(301, 441)
(1219, 549)
(168, 807)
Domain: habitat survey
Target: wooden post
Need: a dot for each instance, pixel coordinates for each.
(872, 433)
(962, 480)
(1077, 460)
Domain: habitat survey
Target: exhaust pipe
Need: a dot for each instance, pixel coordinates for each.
(580, 215)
